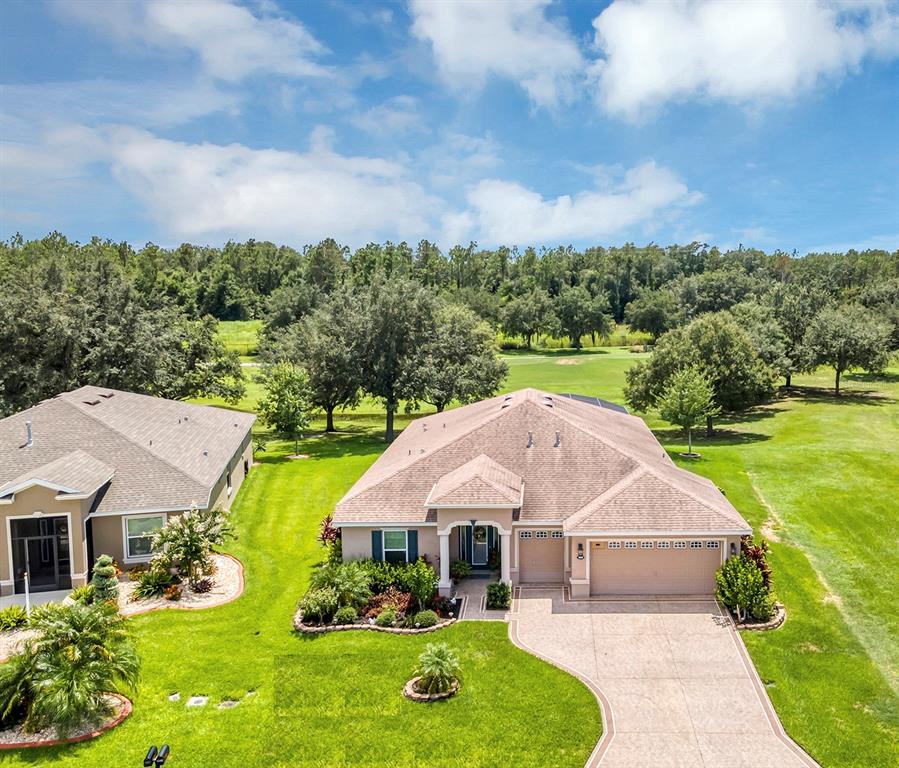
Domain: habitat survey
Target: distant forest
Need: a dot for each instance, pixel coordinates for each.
(145, 318)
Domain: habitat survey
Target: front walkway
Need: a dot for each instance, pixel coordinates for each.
(473, 591)
(37, 598)
(673, 678)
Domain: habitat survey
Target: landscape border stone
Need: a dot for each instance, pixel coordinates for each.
(780, 616)
(307, 629)
(410, 693)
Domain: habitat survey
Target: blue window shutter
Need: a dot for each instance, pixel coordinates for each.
(377, 545)
(412, 545)
(491, 543)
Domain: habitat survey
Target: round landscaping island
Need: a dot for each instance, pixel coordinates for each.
(16, 738)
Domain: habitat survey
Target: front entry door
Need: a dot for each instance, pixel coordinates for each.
(479, 545)
(40, 548)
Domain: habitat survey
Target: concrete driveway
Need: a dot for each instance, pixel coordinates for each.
(674, 681)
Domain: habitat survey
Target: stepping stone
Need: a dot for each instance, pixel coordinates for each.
(228, 704)
(249, 693)
(197, 701)
(175, 696)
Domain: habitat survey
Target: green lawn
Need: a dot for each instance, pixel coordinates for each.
(333, 700)
(241, 336)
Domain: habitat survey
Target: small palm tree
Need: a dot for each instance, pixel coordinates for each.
(62, 677)
(438, 668)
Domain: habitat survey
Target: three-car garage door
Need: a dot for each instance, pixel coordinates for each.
(675, 567)
(541, 557)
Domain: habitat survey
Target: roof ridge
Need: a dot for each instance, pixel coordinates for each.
(609, 493)
(140, 447)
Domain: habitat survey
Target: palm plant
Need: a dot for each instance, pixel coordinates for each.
(62, 677)
(350, 581)
(438, 668)
(186, 541)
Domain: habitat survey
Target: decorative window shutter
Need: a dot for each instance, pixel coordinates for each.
(491, 537)
(468, 541)
(377, 545)
(412, 545)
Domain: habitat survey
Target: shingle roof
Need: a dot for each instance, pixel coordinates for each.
(76, 473)
(166, 454)
(480, 481)
(578, 460)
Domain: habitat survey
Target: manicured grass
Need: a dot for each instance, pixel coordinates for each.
(333, 700)
(240, 336)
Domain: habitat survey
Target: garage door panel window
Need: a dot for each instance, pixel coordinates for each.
(614, 545)
(664, 545)
(542, 535)
(557, 534)
(711, 545)
(645, 545)
(630, 545)
(695, 545)
(524, 534)
(680, 544)
(396, 546)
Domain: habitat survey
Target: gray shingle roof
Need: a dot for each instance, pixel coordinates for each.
(166, 454)
(579, 458)
(480, 481)
(73, 474)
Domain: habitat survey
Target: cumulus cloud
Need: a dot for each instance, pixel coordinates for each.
(231, 42)
(507, 212)
(398, 115)
(513, 39)
(738, 51)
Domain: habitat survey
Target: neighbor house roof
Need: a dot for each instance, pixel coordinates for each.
(160, 454)
(582, 464)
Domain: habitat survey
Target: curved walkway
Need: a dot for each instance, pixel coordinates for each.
(673, 679)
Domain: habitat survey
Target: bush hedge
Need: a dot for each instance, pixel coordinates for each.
(499, 596)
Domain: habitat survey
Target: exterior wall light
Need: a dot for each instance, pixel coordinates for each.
(580, 551)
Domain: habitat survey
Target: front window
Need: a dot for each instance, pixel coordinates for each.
(139, 535)
(395, 546)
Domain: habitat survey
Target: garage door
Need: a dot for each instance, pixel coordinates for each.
(541, 557)
(654, 567)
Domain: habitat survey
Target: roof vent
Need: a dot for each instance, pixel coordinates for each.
(107, 395)
(530, 439)
(92, 402)
(205, 453)
(424, 427)
(558, 439)
(29, 435)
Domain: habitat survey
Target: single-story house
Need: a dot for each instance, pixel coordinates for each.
(561, 489)
(97, 471)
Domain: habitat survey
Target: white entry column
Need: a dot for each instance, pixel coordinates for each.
(445, 586)
(505, 558)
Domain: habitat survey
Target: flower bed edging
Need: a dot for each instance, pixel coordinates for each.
(410, 693)
(318, 630)
(117, 720)
(780, 616)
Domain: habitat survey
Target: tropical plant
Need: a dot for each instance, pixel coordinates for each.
(13, 617)
(104, 581)
(391, 599)
(330, 537)
(63, 676)
(758, 554)
(203, 586)
(83, 594)
(186, 541)
(499, 596)
(318, 604)
(438, 668)
(152, 583)
(741, 587)
(350, 582)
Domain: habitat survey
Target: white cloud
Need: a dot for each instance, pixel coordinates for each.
(398, 115)
(458, 159)
(231, 42)
(507, 212)
(512, 39)
(738, 51)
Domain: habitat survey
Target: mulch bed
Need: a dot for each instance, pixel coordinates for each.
(15, 738)
(312, 629)
(410, 692)
(780, 616)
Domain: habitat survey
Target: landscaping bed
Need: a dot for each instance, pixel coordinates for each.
(780, 616)
(16, 738)
(12, 640)
(315, 630)
(410, 691)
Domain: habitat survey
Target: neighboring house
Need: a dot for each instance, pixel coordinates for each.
(97, 471)
(564, 490)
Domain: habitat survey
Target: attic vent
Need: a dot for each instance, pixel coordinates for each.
(530, 439)
(92, 402)
(107, 395)
(205, 453)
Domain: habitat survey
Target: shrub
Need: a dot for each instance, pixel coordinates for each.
(349, 581)
(383, 575)
(387, 618)
(43, 613)
(13, 617)
(443, 605)
(425, 619)
(186, 541)
(345, 615)
(494, 561)
(459, 569)
(758, 554)
(83, 595)
(62, 676)
(391, 599)
(438, 668)
(202, 586)
(741, 587)
(319, 604)
(172, 592)
(152, 583)
(104, 581)
(499, 596)
(421, 581)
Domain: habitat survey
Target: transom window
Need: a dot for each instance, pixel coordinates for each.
(695, 545)
(680, 544)
(664, 545)
(645, 545)
(711, 545)
(557, 534)
(139, 532)
(524, 534)
(541, 535)
(396, 546)
(614, 545)
(630, 545)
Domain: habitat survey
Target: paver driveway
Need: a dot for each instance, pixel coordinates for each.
(674, 681)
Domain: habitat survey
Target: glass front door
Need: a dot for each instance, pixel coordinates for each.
(479, 545)
(40, 548)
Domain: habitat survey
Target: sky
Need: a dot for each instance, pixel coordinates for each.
(526, 122)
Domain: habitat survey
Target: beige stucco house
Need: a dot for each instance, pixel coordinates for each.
(96, 471)
(563, 490)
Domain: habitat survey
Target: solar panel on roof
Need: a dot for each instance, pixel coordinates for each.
(597, 401)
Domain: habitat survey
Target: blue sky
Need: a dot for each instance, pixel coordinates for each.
(524, 122)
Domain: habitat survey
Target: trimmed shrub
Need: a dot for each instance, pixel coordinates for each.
(318, 604)
(383, 575)
(387, 618)
(83, 595)
(13, 617)
(438, 668)
(425, 619)
(392, 599)
(741, 587)
(104, 581)
(459, 569)
(349, 581)
(345, 615)
(499, 596)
